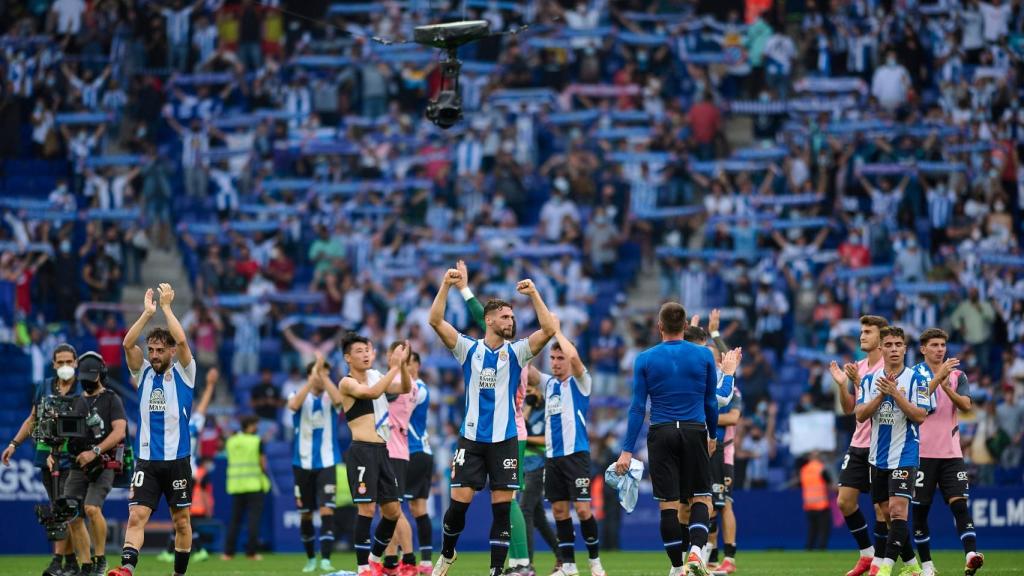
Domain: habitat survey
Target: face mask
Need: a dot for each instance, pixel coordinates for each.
(90, 386)
(1000, 206)
(891, 61)
(65, 373)
(976, 235)
(65, 246)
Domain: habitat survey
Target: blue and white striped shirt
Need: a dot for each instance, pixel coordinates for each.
(491, 378)
(894, 437)
(165, 407)
(566, 405)
(419, 438)
(316, 434)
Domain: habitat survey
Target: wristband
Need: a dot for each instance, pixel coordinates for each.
(467, 294)
(13, 443)
(716, 334)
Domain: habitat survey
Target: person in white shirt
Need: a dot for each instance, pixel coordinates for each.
(179, 21)
(971, 25)
(555, 211)
(68, 16)
(891, 83)
(995, 20)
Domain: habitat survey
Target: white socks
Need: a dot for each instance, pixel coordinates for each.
(867, 552)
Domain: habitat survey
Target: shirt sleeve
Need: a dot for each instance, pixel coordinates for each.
(864, 383)
(638, 408)
(584, 383)
(476, 310)
(725, 390)
(188, 373)
(462, 347)
(522, 350)
(963, 387)
(117, 408)
(421, 395)
(922, 395)
(710, 398)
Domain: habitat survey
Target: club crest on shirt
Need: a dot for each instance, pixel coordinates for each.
(157, 402)
(503, 356)
(488, 378)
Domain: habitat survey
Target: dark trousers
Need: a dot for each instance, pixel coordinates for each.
(532, 503)
(241, 504)
(819, 527)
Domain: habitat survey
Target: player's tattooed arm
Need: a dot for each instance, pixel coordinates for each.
(445, 331)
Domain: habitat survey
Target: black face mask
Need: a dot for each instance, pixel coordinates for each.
(90, 386)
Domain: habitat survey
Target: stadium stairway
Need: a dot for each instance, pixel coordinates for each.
(161, 266)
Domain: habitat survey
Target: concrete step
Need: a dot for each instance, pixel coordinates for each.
(161, 266)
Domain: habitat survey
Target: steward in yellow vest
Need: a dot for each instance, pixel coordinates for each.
(247, 485)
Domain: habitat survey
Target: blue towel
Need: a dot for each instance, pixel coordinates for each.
(627, 485)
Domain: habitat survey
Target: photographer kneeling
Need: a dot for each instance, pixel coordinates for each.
(97, 458)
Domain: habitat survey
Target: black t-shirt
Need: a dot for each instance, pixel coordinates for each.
(264, 392)
(109, 407)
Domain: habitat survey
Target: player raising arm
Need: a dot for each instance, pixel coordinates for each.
(162, 445)
(488, 441)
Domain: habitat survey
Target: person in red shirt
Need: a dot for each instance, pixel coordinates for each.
(21, 271)
(280, 269)
(246, 266)
(853, 253)
(705, 124)
(109, 339)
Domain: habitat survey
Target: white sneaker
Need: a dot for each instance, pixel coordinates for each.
(566, 570)
(443, 564)
(677, 571)
(596, 569)
(705, 553)
(928, 569)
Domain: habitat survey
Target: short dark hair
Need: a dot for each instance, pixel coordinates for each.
(933, 333)
(696, 335)
(876, 321)
(350, 339)
(556, 346)
(65, 347)
(251, 420)
(672, 317)
(493, 305)
(415, 357)
(161, 335)
(311, 365)
(893, 332)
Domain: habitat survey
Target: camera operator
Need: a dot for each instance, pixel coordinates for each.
(96, 460)
(64, 384)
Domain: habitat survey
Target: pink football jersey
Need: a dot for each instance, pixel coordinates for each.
(862, 434)
(399, 413)
(940, 431)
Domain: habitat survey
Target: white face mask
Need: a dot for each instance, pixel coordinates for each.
(65, 373)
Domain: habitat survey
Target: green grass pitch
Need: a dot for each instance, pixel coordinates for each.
(834, 563)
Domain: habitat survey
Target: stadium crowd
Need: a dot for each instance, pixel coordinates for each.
(794, 166)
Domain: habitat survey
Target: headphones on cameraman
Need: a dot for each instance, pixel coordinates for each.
(98, 358)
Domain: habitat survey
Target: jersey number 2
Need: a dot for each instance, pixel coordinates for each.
(920, 479)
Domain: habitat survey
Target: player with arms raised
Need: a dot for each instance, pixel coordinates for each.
(488, 446)
(855, 476)
(567, 468)
(942, 461)
(162, 444)
(895, 399)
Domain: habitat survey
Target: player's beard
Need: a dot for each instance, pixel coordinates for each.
(507, 333)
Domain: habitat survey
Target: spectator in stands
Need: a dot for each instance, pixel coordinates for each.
(109, 338)
(974, 317)
(891, 83)
(280, 269)
(604, 357)
(266, 402)
(705, 124)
